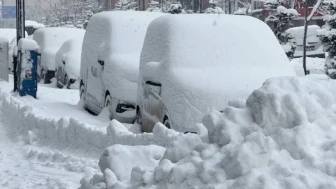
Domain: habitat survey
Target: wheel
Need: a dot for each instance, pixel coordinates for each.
(166, 122)
(82, 96)
(66, 82)
(138, 118)
(108, 103)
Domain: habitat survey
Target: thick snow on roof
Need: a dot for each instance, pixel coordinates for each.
(8, 33)
(34, 24)
(50, 40)
(70, 52)
(117, 38)
(207, 60)
(298, 32)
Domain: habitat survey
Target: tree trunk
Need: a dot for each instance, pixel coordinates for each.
(305, 39)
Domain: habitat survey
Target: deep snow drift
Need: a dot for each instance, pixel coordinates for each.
(283, 137)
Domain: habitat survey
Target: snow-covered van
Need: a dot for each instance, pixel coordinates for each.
(192, 64)
(314, 47)
(49, 41)
(110, 61)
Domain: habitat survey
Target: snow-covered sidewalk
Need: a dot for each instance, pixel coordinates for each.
(21, 166)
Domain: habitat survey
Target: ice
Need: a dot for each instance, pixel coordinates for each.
(198, 72)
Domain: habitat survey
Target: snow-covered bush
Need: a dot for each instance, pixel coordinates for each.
(328, 38)
(214, 9)
(175, 8)
(154, 7)
(279, 21)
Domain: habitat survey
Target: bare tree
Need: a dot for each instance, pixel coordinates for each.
(307, 19)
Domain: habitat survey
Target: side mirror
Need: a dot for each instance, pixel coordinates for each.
(63, 62)
(101, 62)
(15, 52)
(154, 87)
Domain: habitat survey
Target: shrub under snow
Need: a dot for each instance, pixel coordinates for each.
(283, 138)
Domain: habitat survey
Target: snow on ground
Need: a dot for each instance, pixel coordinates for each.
(314, 65)
(28, 167)
(284, 137)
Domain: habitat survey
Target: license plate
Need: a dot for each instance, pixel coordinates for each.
(310, 48)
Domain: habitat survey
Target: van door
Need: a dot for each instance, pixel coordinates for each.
(95, 89)
(153, 103)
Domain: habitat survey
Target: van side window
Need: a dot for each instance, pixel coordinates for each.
(154, 87)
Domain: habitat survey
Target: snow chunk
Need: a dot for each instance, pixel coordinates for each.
(122, 159)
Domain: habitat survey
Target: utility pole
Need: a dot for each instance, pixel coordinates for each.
(20, 33)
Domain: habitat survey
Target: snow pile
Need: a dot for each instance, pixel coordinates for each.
(70, 133)
(283, 138)
(314, 65)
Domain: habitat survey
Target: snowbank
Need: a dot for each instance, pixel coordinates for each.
(69, 133)
(283, 138)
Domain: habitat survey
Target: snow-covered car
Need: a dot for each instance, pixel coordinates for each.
(68, 60)
(186, 70)
(49, 41)
(314, 47)
(32, 26)
(110, 61)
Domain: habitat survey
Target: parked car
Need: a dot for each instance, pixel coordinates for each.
(186, 70)
(314, 47)
(32, 26)
(49, 41)
(68, 60)
(110, 62)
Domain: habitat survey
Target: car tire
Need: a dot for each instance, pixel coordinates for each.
(66, 82)
(166, 122)
(82, 96)
(138, 117)
(108, 103)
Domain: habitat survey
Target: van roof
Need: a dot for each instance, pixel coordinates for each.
(216, 40)
(124, 30)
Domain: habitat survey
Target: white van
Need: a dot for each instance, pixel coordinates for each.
(110, 62)
(191, 64)
(49, 41)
